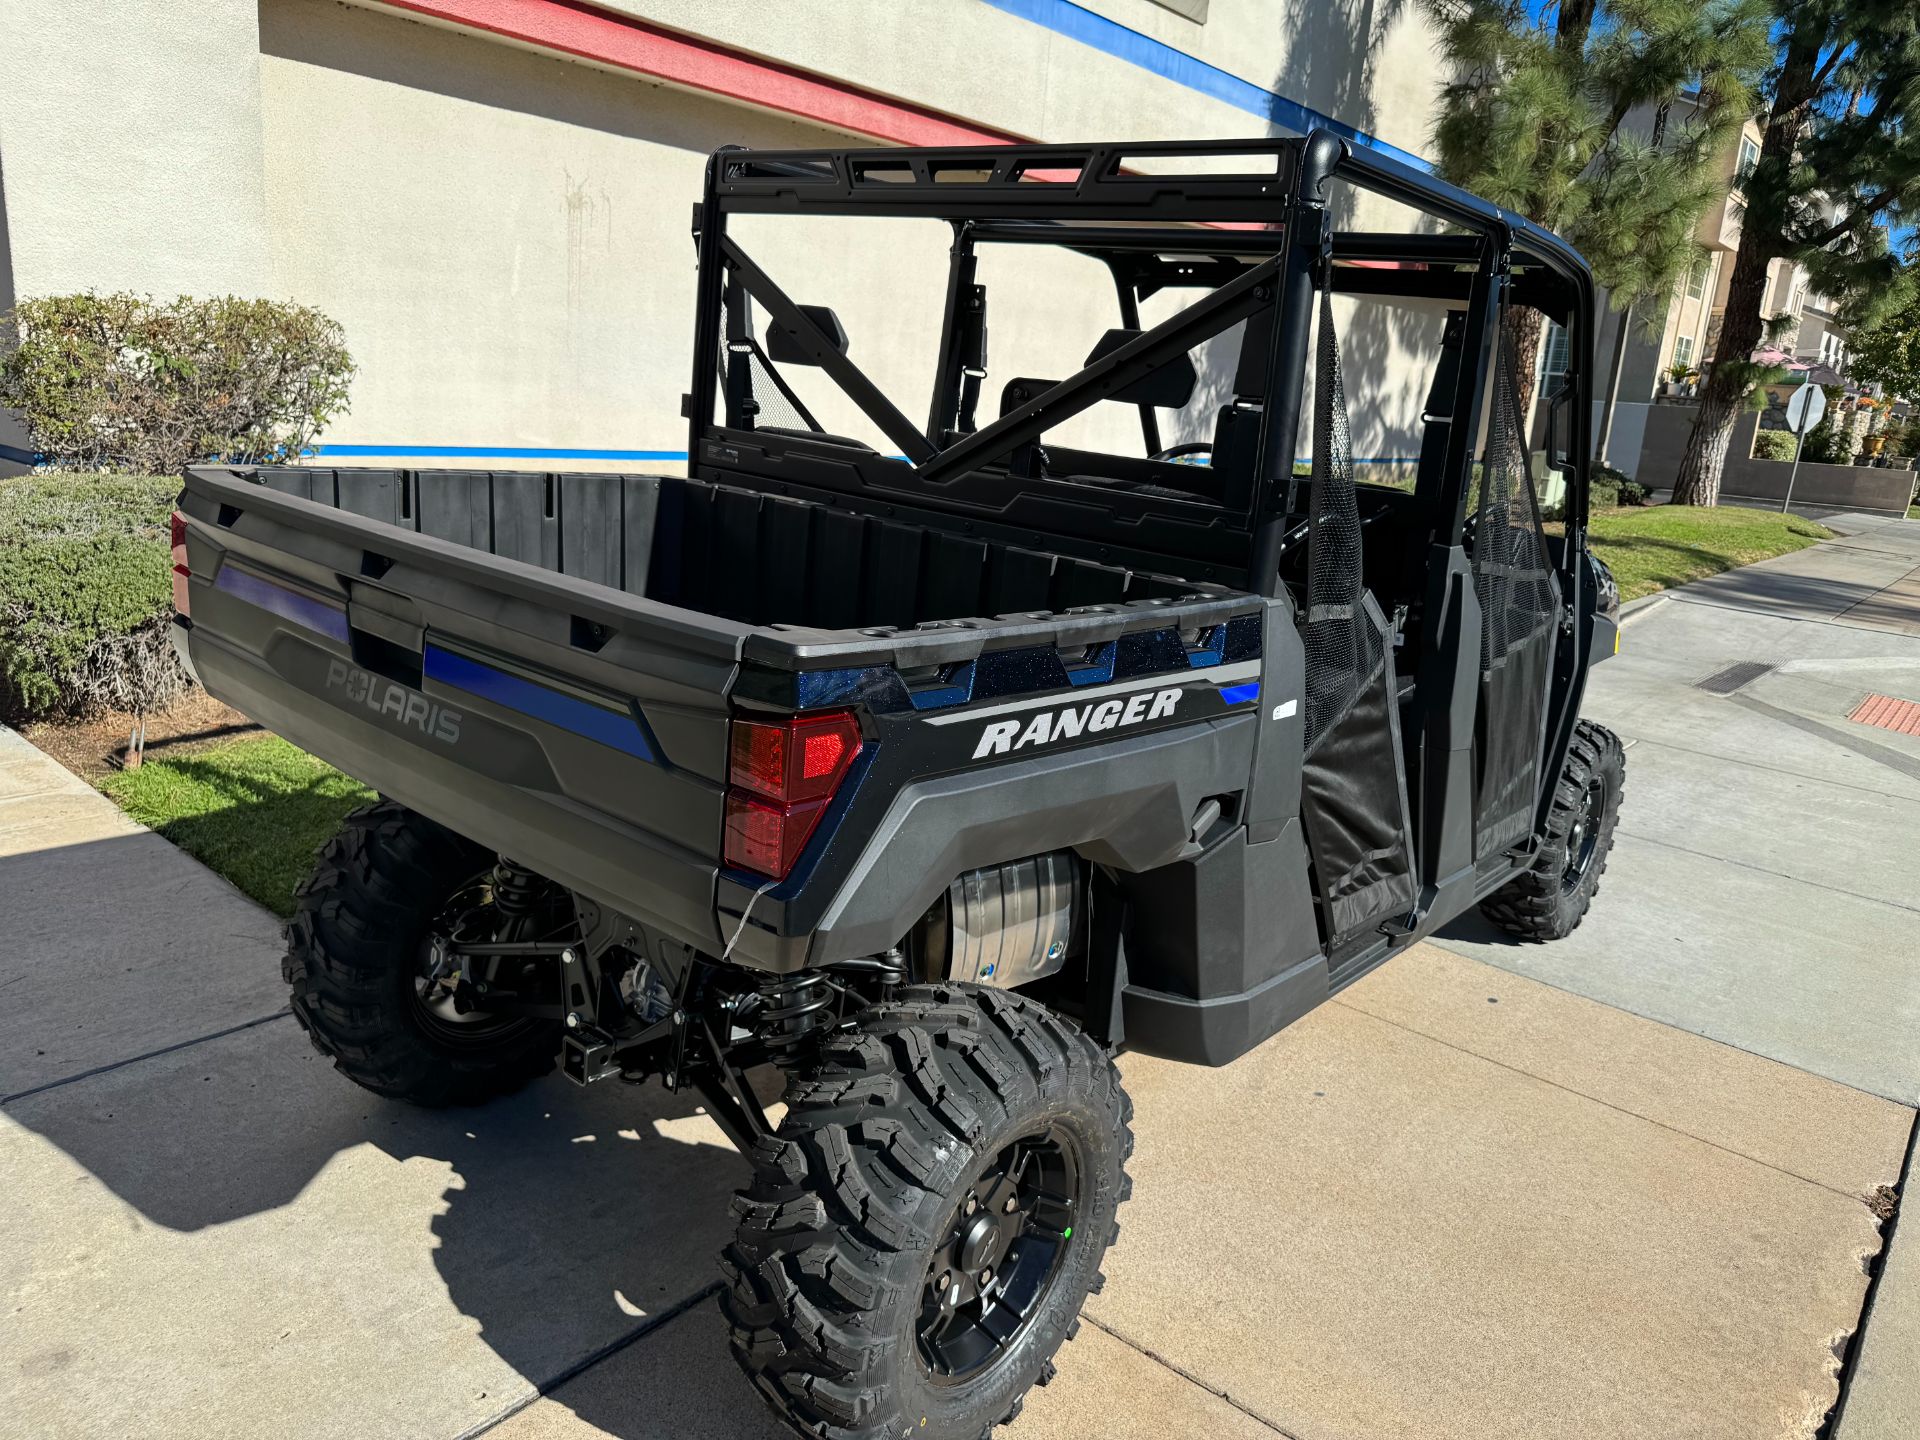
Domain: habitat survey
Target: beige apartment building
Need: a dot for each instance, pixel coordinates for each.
(1661, 363)
(493, 196)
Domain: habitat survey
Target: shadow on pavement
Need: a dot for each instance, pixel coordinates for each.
(1475, 929)
(570, 1220)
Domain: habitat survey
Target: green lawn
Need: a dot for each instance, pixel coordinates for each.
(254, 809)
(1659, 546)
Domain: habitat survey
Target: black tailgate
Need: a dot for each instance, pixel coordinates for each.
(578, 729)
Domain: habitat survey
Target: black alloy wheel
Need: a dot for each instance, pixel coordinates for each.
(1004, 1245)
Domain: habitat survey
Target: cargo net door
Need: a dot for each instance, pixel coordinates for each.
(1519, 609)
(1355, 797)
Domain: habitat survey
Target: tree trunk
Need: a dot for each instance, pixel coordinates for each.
(1742, 325)
(1521, 326)
(1725, 391)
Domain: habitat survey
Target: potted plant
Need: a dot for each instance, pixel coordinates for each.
(1679, 380)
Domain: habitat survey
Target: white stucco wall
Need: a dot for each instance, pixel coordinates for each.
(503, 233)
(1367, 63)
(130, 147)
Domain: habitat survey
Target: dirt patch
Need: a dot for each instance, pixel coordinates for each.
(1883, 1201)
(92, 748)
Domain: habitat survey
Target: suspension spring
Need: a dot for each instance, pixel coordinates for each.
(514, 889)
(792, 1008)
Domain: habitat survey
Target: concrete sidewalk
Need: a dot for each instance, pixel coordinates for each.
(1763, 889)
(1614, 1187)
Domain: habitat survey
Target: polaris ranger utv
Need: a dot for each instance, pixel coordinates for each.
(936, 770)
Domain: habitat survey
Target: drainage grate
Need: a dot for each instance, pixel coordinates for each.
(1725, 682)
(1888, 712)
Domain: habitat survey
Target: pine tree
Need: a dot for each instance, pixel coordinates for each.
(1887, 352)
(1839, 166)
(1540, 119)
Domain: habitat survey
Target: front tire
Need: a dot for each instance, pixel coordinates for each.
(921, 1233)
(355, 948)
(1551, 899)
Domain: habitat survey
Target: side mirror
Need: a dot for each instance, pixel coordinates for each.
(787, 347)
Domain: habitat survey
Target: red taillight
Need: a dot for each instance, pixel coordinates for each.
(780, 775)
(177, 534)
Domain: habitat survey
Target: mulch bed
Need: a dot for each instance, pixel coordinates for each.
(93, 748)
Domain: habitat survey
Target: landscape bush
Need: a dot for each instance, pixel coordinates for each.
(1774, 445)
(124, 382)
(85, 595)
(1829, 443)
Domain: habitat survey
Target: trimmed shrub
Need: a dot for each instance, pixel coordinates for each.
(1632, 492)
(1829, 443)
(1774, 445)
(123, 382)
(86, 593)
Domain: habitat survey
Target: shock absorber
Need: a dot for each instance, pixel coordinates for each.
(516, 890)
(792, 1007)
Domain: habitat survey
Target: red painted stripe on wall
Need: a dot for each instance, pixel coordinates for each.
(645, 49)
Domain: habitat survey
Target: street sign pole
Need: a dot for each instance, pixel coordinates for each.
(1804, 410)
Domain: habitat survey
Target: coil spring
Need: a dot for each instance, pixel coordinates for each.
(791, 1009)
(514, 889)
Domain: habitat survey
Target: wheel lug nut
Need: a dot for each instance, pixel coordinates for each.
(986, 1278)
(942, 1283)
(971, 1205)
(1013, 1204)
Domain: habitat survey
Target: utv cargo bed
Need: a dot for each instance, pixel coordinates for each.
(548, 661)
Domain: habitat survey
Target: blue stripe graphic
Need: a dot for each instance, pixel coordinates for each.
(507, 452)
(1111, 38)
(617, 729)
(289, 604)
(1240, 694)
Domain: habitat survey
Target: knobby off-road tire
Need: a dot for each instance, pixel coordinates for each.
(1550, 900)
(872, 1186)
(354, 949)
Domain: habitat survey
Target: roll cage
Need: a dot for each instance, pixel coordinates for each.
(1247, 223)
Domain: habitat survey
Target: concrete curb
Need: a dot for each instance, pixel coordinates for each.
(1639, 609)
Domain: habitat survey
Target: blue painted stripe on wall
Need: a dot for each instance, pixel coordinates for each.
(614, 728)
(505, 452)
(1112, 38)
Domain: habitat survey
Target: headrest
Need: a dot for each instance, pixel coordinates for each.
(1169, 387)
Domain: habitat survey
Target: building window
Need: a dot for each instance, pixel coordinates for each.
(1683, 351)
(1697, 279)
(1749, 157)
(1553, 364)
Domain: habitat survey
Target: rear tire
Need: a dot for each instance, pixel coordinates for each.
(1550, 900)
(354, 950)
(899, 1268)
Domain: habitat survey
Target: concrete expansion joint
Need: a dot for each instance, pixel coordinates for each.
(579, 1367)
(1186, 1375)
(88, 1074)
